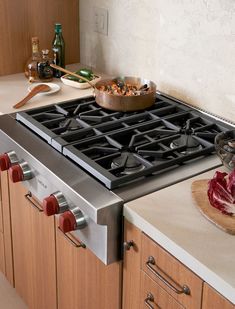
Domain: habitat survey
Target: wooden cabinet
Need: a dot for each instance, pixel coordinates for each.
(33, 239)
(212, 299)
(153, 295)
(180, 282)
(2, 251)
(148, 268)
(84, 282)
(131, 266)
(6, 258)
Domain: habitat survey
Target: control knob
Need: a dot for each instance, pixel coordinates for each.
(20, 172)
(54, 204)
(8, 159)
(71, 220)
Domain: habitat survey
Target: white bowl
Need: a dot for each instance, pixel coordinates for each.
(76, 84)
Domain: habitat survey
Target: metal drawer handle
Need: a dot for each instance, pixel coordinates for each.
(183, 290)
(128, 244)
(149, 299)
(28, 196)
(75, 244)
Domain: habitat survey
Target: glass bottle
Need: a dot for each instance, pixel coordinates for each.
(58, 48)
(31, 67)
(45, 72)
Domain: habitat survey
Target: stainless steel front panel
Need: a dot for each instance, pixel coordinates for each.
(52, 172)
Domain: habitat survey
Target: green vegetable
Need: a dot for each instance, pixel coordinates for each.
(87, 73)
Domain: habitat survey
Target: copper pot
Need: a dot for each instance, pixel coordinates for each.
(126, 103)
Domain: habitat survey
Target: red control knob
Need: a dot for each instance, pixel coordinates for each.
(50, 205)
(16, 173)
(67, 222)
(5, 162)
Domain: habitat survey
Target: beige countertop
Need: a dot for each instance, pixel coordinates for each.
(171, 218)
(14, 87)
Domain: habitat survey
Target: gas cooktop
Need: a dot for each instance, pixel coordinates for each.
(121, 148)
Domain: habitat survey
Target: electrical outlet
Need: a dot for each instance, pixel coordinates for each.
(100, 20)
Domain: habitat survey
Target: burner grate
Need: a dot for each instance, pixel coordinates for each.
(118, 148)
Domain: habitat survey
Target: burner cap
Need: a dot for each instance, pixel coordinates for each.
(130, 164)
(188, 141)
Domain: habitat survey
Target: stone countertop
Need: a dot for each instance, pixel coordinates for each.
(14, 87)
(171, 218)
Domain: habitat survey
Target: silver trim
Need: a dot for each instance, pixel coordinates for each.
(27, 172)
(61, 200)
(12, 157)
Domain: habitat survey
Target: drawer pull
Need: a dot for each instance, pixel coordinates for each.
(149, 299)
(75, 244)
(182, 290)
(28, 196)
(128, 244)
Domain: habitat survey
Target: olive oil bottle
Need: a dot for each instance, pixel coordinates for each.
(58, 49)
(31, 67)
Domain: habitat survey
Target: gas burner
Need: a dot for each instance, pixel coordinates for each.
(69, 124)
(128, 162)
(187, 141)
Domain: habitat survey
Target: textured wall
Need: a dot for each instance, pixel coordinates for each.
(186, 46)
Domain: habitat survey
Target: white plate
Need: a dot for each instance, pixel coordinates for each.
(76, 84)
(54, 88)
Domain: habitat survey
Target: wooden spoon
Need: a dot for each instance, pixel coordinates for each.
(72, 73)
(33, 92)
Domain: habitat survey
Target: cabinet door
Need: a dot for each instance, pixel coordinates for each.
(34, 250)
(7, 256)
(84, 282)
(131, 267)
(212, 299)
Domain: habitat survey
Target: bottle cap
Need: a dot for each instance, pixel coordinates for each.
(58, 27)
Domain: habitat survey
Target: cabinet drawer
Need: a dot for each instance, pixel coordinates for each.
(171, 274)
(153, 296)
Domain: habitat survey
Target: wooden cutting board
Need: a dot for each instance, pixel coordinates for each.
(199, 193)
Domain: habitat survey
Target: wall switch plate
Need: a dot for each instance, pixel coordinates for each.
(100, 20)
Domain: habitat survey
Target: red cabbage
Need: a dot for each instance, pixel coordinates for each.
(221, 192)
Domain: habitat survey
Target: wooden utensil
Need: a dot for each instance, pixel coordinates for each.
(33, 92)
(72, 73)
(199, 193)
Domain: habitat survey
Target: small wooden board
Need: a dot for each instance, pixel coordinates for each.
(199, 193)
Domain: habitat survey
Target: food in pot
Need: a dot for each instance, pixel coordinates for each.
(221, 192)
(120, 88)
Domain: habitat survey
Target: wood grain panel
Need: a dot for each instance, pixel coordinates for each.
(21, 20)
(2, 254)
(212, 299)
(160, 298)
(33, 237)
(172, 271)
(83, 280)
(131, 267)
(7, 228)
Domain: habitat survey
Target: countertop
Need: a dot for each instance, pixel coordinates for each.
(14, 87)
(171, 218)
